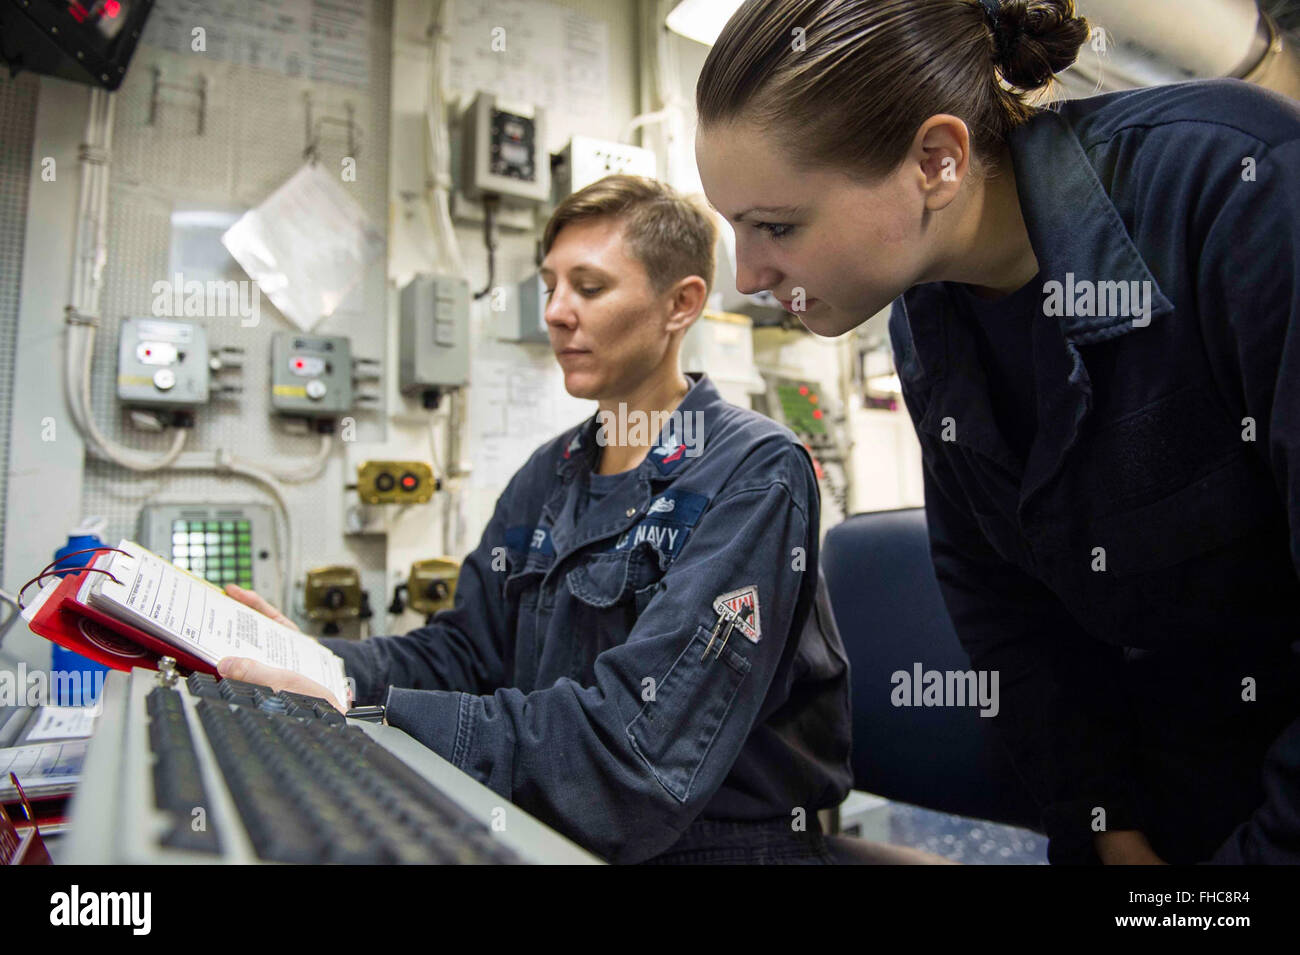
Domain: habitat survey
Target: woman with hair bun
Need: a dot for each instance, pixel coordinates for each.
(1095, 322)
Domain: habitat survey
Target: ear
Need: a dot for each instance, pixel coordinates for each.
(939, 159)
(685, 302)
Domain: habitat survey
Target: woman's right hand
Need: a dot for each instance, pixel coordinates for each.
(251, 598)
(1125, 847)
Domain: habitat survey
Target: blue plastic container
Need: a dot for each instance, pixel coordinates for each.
(77, 679)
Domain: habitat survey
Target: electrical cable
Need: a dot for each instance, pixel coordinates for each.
(48, 570)
(490, 241)
(438, 174)
(306, 472)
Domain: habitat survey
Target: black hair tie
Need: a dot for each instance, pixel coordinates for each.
(992, 12)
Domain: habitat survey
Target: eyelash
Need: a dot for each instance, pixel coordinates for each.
(771, 229)
(585, 291)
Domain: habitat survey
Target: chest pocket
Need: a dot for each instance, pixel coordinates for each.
(1182, 510)
(529, 555)
(610, 590)
(627, 578)
(1172, 482)
(526, 570)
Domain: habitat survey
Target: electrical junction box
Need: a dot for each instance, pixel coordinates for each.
(311, 376)
(332, 593)
(395, 482)
(584, 160)
(162, 364)
(524, 319)
(434, 342)
(504, 151)
(431, 586)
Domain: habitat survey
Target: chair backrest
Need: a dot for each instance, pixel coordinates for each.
(892, 617)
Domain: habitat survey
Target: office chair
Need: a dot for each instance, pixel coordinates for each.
(891, 615)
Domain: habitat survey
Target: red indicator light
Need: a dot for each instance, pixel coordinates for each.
(817, 414)
(111, 8)
(297, 363)
(803, 389)
(408, 482)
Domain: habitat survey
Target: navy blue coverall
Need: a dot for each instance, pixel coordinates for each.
(568, 676)
(1133, 576)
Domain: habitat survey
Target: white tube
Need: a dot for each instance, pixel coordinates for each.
(438, 163)
(102, 444)
(255, 474)
(306, 472)
(222, 462)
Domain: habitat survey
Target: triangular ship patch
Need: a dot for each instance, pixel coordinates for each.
(742, 607)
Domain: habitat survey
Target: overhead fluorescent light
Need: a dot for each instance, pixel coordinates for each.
(701, 20)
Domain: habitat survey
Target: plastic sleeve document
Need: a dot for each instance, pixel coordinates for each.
(160, 598)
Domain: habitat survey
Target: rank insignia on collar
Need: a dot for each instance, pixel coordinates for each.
(669, 455)
(741, 607)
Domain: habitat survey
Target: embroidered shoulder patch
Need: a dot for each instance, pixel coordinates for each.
(742, 607)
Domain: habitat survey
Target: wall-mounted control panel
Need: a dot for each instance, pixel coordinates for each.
(395, 482)
(162, 364)
(311, 375)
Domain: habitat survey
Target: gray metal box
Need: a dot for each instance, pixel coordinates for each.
(162, 364)
(504, 151)
(434, 342)
(311, 375)
(525, 317)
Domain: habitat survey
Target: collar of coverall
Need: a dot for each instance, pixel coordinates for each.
(1075, 229)
(1076, 232)
(669, 456)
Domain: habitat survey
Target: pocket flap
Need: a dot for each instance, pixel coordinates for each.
(601, 580)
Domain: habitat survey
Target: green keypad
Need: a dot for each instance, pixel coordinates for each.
(218, 551)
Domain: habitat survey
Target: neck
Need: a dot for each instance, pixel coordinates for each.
(650, 400)
(993, 251)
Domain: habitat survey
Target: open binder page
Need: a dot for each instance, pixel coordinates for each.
(184, 610)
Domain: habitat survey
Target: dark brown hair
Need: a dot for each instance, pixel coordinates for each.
(848, 83)
(667, 233)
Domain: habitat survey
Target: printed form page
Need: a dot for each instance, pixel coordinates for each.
(191, 611)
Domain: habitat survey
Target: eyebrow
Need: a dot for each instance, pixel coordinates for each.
(544, 270)
(767, 210)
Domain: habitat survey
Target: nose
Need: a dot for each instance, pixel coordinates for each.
(753, 275)
(559, 312)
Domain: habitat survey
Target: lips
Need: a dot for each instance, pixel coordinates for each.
(788, 304)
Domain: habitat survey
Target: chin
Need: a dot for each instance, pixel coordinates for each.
(581, 386)
(829, 323)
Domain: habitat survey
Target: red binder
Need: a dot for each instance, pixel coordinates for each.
(101, 637)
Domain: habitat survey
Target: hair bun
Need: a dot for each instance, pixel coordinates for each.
(1035, 39)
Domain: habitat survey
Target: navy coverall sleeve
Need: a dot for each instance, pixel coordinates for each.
(623, 765)
(1060, 714)
(1249, 289)
(463, 648)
